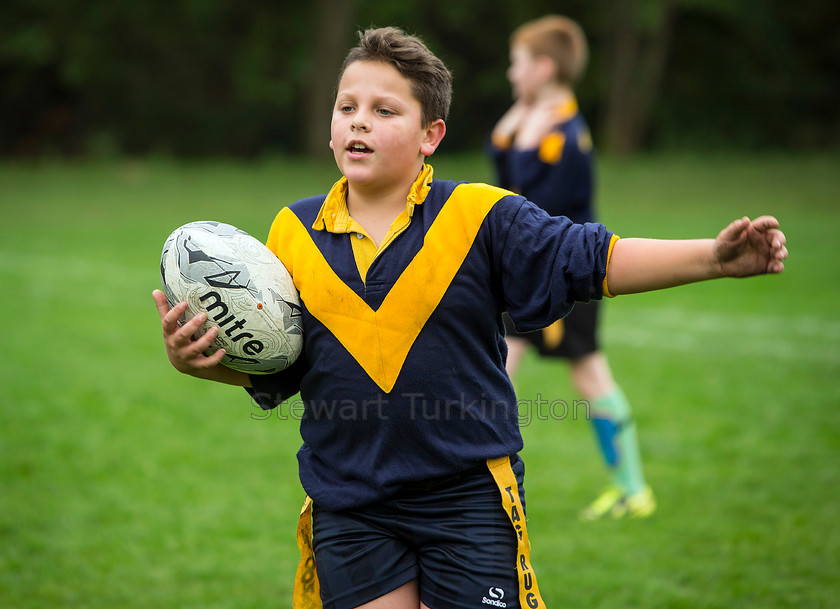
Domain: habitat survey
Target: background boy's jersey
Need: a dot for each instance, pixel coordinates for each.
(403, 375)
(559, 174)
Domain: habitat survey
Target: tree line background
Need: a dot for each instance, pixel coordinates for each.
(226, 78)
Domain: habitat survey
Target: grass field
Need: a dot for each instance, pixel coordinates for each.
(125, 485)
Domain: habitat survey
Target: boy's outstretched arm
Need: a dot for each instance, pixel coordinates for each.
(742, 249)
(186, 354)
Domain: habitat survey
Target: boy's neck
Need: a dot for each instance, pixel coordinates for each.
(554, 93)
(375, 211)
(362, 200)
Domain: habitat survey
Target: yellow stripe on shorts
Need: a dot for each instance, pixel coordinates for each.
(307, 594)
(529, 592)
(553, 334)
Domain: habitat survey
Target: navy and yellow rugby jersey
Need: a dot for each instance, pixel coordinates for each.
(559, 174)
(403, 374)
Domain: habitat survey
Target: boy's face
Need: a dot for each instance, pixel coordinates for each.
(377, 135)
(527, 73)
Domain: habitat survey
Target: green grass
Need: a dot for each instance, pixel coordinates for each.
(124, 484)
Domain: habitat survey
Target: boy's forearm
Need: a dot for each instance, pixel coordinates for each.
(223, 374)
(642, 265)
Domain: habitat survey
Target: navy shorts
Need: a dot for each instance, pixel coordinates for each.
(451, 534)
(579, 333)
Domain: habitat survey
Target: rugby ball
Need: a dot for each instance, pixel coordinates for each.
(243, 288)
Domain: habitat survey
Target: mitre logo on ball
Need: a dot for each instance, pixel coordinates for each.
(243, 288)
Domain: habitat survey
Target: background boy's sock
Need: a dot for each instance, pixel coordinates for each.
(615, 430)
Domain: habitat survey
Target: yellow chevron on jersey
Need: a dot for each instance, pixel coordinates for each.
(380, 340)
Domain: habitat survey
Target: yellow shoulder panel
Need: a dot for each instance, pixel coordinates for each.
(551, 148)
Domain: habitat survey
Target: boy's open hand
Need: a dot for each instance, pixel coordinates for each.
(186, 354)
(748, 247)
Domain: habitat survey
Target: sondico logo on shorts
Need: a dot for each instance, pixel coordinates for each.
(496, 595)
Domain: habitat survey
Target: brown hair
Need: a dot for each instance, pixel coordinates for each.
(431, 81)
(560, 39)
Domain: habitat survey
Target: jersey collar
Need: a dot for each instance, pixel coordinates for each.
(334, 216)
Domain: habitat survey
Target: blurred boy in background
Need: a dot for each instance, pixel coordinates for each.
(542, 149)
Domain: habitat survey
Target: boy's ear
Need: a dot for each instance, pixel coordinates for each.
(433, 135)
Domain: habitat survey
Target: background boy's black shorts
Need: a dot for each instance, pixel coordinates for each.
(451, 534)
(579, 333)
